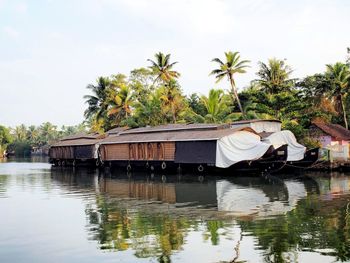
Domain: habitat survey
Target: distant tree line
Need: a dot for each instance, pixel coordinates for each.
(22, 139)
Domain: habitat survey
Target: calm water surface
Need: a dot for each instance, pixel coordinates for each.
(66, 215)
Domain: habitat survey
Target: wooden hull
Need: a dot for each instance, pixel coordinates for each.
(310, 159)
(272, 161)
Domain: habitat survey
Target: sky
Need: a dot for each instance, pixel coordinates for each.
(51, 49)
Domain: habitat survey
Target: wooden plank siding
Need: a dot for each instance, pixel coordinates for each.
(162, 151)
(115, 151)
(72, 152)
(66, 152)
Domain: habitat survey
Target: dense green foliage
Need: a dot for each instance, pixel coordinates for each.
(153, 96)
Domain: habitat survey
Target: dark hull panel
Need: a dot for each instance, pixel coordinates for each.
(196, 152)
(84, 152)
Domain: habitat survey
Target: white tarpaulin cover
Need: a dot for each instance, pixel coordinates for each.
(296, 151)
(239, 146)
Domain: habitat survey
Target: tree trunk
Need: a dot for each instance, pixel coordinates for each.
(174, 115)
(344, 112)
(237, 98)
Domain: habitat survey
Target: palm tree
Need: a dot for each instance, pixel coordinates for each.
(98, 102)
(162, 68)
(172, 100)
(274, 76)
(20, 133)
(48, 133)
(121, 104)
(33, 135)
(228, 69)
(339, 75)
(216, 105)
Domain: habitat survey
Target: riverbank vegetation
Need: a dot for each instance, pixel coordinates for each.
(152, 95)
(22, 140)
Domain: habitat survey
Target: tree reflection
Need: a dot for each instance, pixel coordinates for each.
(118, 227)
(3, 185)
(314, 225)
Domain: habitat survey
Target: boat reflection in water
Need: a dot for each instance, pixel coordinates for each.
(239, 197)
(258, 197)
(242, 218)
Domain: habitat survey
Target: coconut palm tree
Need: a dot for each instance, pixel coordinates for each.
(172, 100)
(48, 132)
(20, 133)
(98, 101)
(274, 76)
(339, 75)
(162, 68)
(33, 135)
(121, 104)
(216, 105)
(229, 68)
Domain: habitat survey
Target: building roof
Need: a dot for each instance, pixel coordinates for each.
(176, 127)
(76, 142)
(335, 130)
(252, 121)
(79, 139)
(116, 130)
(80, 136)
(172, 136)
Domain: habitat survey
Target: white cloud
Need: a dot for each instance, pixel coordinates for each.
(10, 31)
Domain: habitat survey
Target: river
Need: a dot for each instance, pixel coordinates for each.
(85, 215)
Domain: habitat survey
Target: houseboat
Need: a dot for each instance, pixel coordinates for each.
(79, 149)
(203, 146)
(75, 150)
